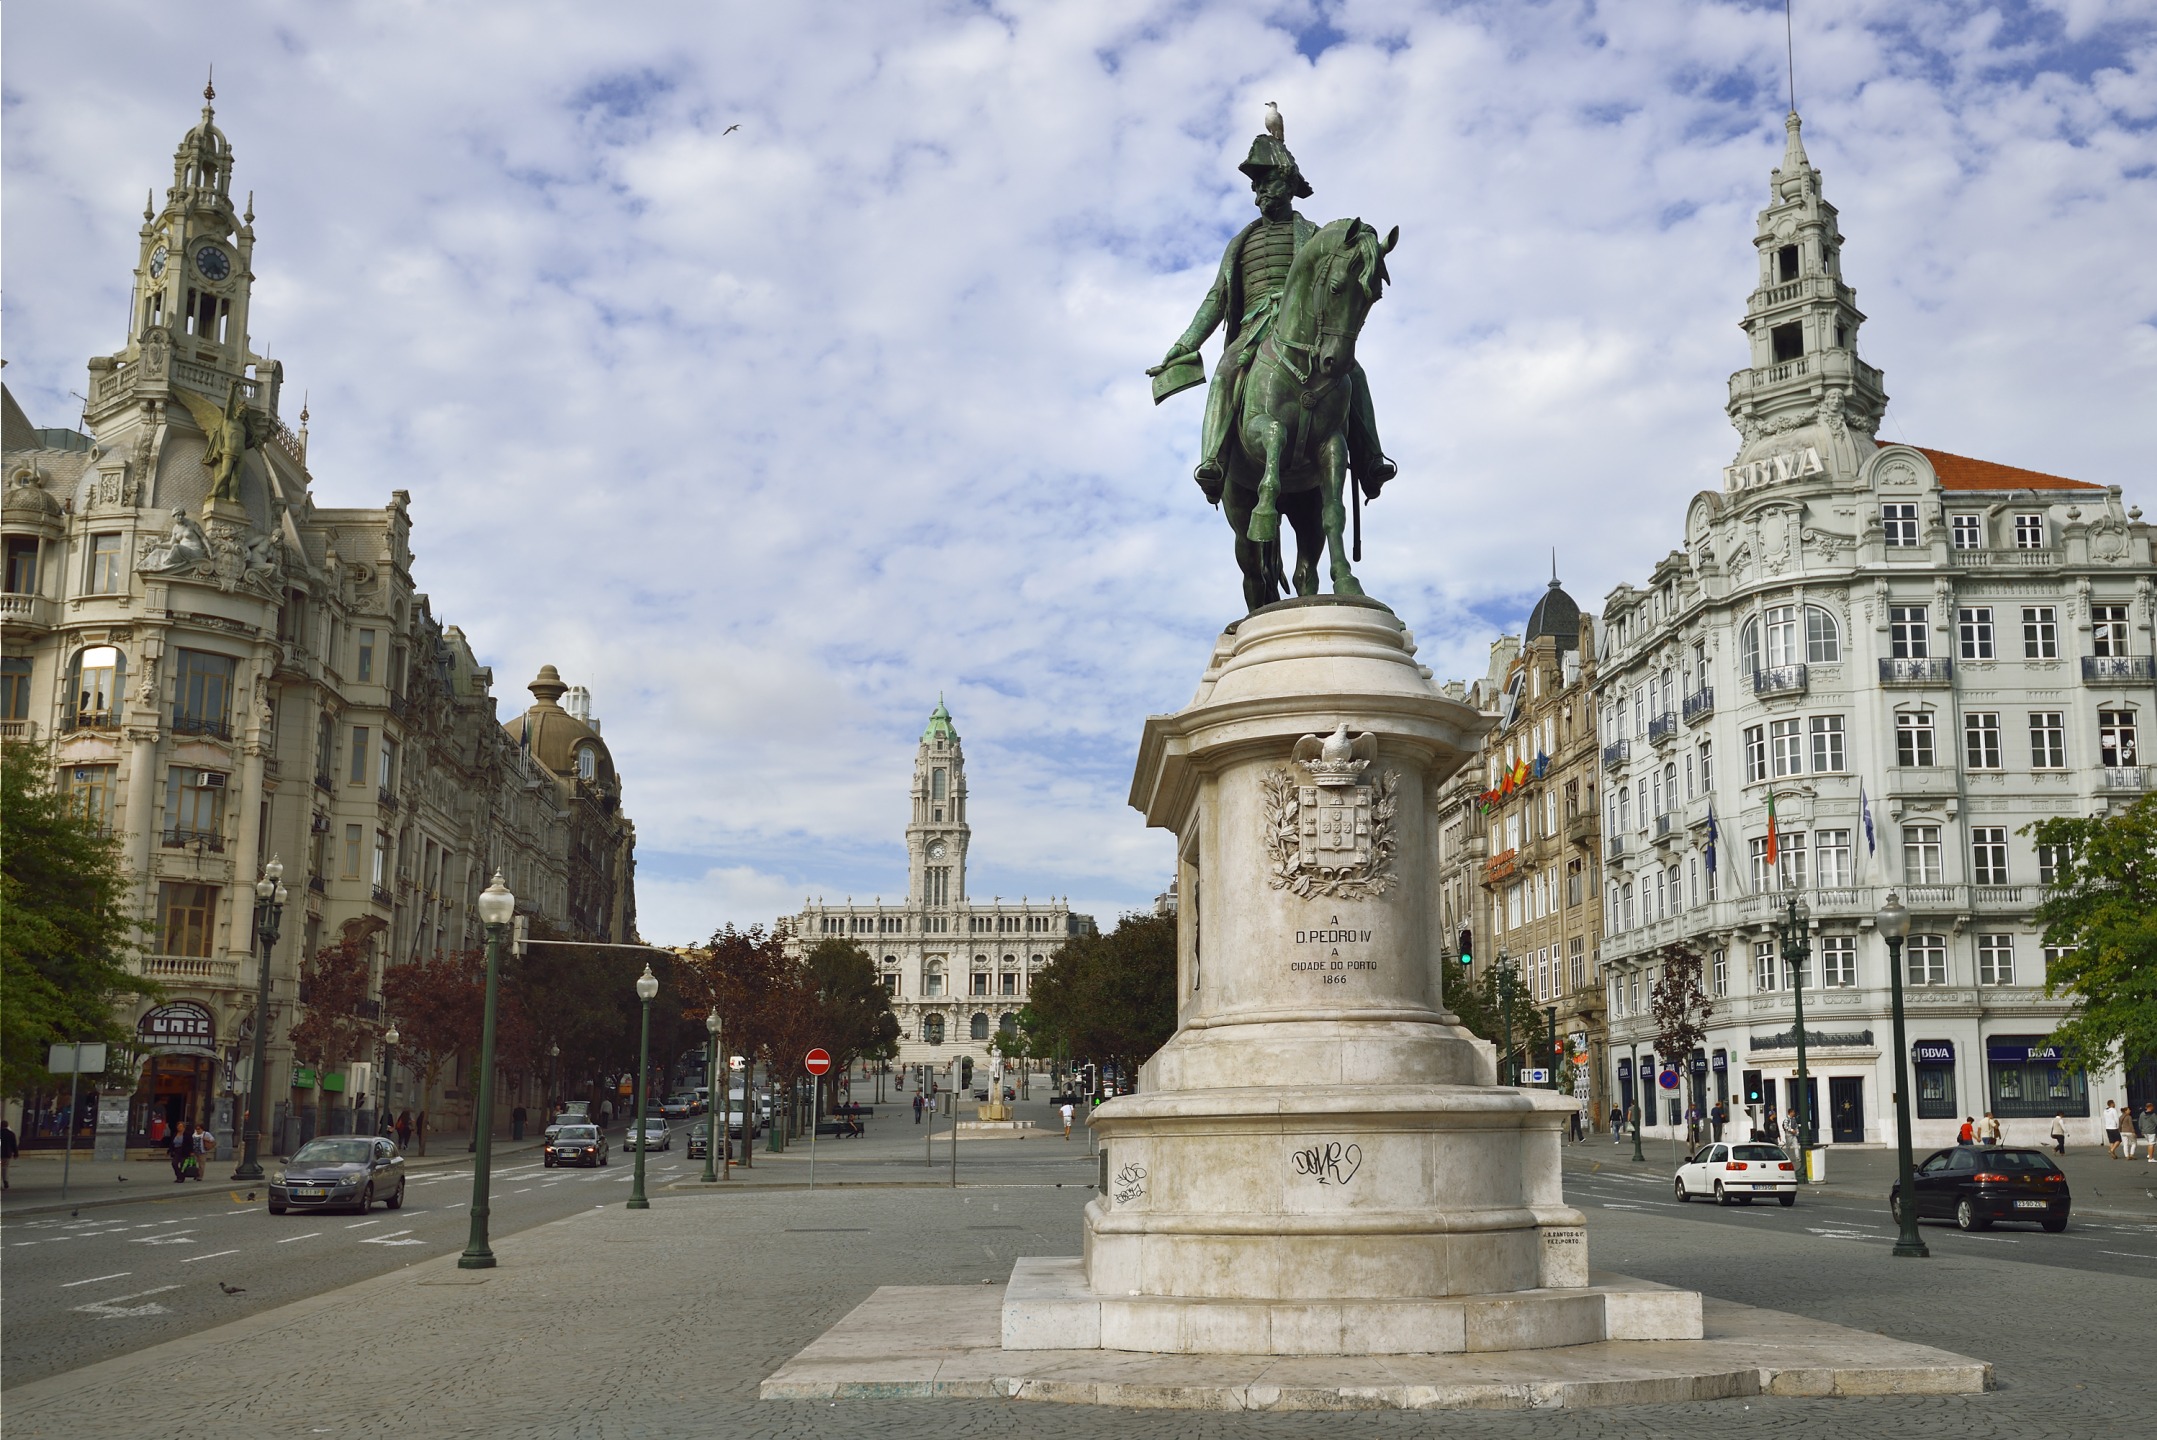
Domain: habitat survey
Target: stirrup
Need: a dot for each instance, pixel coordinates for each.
(1210, 473)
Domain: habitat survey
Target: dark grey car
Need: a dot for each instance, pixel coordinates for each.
(339, 1170)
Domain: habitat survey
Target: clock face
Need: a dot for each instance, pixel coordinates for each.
(936, 850)
(212, 263)
(157, 263)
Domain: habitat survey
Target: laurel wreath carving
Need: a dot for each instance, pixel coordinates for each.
(1364, 880)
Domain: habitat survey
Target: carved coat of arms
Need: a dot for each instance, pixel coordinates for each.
(1329, 831)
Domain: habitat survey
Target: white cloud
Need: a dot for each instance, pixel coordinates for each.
(769, 437)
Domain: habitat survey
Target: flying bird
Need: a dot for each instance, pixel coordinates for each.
(729, 130)
(1274, 127)
(232, 1289)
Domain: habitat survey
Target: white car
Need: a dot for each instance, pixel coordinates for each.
(656, 1135)
(577, 1112)
(1738, 1174)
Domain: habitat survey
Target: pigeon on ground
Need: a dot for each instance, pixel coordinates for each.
(232, 1289)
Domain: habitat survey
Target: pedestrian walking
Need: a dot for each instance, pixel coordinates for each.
(1068, 1113)
(1771, 1129)
(2112, 1128)
(10, 1147)
(1692, 1125)
(204, 1145)
(180, 1149)
(516, 1123)
(1967, 1135)
(1617, 1124)
(1991, 1129)
(2146, 1124)
(2059, 1134)
(404, 1128)
(917, 1108)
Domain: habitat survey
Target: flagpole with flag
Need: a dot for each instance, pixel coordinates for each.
(1774, 850)
(1864, 813)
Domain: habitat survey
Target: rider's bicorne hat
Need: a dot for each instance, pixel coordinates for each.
(1267, 154)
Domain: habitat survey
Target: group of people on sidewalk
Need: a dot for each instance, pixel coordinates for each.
(2123, 1128)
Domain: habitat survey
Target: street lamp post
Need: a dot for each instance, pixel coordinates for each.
(717, 1089)
(647, 987)
(390, 1037)
(1640, 1102)
(497, 907)
(1797, 949)
(1894, 923)
(269, 917)
(1505, 1011)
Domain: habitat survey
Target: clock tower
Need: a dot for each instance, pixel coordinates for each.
(936, 835)
(195, 270)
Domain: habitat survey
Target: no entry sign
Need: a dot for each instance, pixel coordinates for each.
(816, 1062)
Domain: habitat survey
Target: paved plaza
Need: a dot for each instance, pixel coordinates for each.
(665, 1322)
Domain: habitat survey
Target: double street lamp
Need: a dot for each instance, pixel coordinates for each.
(1797, 949)
(497, 907)
(647, 987)
(269, 918)
(1894, 923)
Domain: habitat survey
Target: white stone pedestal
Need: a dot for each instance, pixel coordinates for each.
(1319, 1161)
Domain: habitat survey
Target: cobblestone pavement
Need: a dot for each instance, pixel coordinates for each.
(661, 1323)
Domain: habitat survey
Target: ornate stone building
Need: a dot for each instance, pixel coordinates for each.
(958, 970)
(1536, 775)
(229, 673)
(1911, 655)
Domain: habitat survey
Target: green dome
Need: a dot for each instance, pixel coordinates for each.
(939, 726)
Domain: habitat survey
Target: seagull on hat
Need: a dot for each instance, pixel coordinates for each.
(1274, 127)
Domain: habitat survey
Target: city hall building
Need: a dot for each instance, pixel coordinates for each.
(1906, 657)
(958, 970)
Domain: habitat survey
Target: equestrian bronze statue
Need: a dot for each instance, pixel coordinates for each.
(1288, 417)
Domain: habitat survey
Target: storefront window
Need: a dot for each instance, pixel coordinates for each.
(2028, 1082)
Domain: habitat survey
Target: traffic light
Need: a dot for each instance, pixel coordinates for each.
(1467, 947)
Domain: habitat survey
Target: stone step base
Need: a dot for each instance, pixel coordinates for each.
(940, 1342)
(1047, 1306)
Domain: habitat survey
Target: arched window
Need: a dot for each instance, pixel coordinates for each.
(1823, 637)
(932, 1029)
(1749, 649)
(980, 1027)
(587, 763)
(1007, 1026)
(932, 982)
(95, 683)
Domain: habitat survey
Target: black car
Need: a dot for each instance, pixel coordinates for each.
(340, 1170)
(700, 1141)
(578, 1145)
(1975, 1186)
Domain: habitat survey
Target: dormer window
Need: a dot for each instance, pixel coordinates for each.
(1788, 341)
(1786, 263)
(587, 763)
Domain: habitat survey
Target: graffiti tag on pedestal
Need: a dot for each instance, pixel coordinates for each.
(1130, 1184)
(1331, 1163)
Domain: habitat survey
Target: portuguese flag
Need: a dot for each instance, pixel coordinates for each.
(1773, 845)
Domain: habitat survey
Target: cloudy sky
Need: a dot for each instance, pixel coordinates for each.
(771, 436)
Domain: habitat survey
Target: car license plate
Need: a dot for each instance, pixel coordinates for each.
(2030, 1204)
(311, 1192)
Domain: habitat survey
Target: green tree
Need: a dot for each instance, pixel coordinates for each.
(2100, 912)
(66, 929)
(1109, 997)
(333, 983)
(851, 1002)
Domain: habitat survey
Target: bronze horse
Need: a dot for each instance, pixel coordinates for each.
(1290, 451)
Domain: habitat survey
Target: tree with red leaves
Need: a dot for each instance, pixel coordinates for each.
(333, 985)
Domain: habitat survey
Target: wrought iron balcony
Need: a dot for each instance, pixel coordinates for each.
(384, 798)
(184, 723)
(1779, 680)
(1917, 670)
(196, 840)
(1617, 752)
(1699, 704)
(1666, 828)
(2096, 669)
(381, 896)
(2132, 779)
(1662, 727)
(1614, 846)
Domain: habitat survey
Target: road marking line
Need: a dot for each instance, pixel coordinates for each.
(111, 1310)
(358, 1223)
(211, 1256)
(115, 1275)
(308, 1236)
(245, 1210)
(2131, 1254)
(525, 1191)
(391, 1239)
(173, 1237)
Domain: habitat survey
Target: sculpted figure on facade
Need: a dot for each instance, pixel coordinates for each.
(184, 548)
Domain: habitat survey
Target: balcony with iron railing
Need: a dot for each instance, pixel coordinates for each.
(1617, 752)
(1700, 704)
(384, 798)
(1666, 828)
(1917, 670)
(1779, 680)
(315, 883)
(185, 722)
(2102, 669)
(1663, 728)
(382, 897)
(196, 840)
(325, 783)
(92, 720)
(1614, 846)
(2124, 779)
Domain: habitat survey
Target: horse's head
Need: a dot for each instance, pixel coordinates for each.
(1351, 272)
